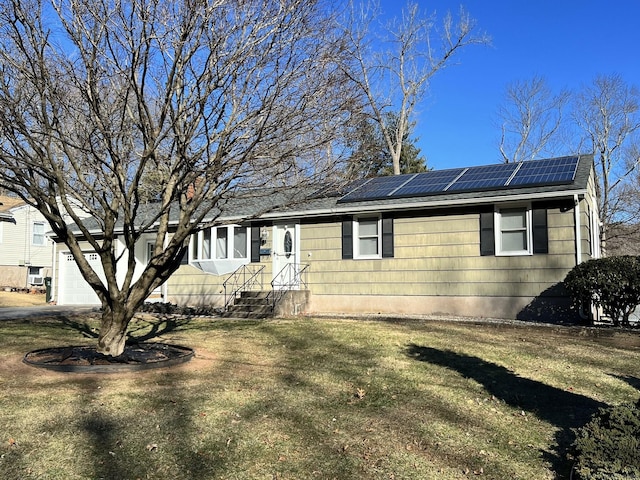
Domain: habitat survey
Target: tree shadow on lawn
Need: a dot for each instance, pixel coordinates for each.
(632, 381)
(145, 329)
(139, 330)
(160, 443)
(561, 408)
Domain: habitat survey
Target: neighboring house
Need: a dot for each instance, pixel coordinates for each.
(489, 241)
(25, 250)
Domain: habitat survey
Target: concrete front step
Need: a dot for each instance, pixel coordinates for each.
(255, 294)
(251, 304)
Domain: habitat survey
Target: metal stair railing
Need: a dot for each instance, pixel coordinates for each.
(246, 277)
(292, 275)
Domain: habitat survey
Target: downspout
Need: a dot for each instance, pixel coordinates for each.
(576, 214)
(54, 284)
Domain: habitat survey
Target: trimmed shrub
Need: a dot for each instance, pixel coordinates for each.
(612, 283)
(608, 447)
(171, 309)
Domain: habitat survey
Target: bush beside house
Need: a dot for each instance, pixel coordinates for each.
(610, 283)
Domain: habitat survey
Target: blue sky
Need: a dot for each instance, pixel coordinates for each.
(568, 42)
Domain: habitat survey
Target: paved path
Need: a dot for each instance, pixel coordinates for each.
(10, 313)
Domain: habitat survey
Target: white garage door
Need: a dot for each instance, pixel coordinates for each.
(72, 287)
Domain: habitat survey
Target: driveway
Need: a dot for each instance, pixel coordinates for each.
(12, 313)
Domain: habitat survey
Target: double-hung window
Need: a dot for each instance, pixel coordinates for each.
(37, 231)
(367, 237)
(514, 230)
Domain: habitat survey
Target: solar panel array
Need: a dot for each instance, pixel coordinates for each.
(430, 182)
(480, 178)
(556, 171)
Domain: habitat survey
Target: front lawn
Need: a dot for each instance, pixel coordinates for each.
(313, 399)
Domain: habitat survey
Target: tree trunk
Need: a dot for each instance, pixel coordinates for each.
(113, 331)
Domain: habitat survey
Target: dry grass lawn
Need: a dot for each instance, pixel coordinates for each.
(313, 399)
(14, 299)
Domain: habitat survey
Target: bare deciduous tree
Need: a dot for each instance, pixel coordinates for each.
(608, 112)
(206, 100)
(530, 119)
(397, 79)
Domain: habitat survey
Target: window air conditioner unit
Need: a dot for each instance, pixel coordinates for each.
(36, 279)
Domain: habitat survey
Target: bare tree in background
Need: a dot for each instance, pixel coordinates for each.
(530, 119)
(206, 100)
(394, 72)
(608, 112)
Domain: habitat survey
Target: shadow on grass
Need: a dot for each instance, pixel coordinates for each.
(162, 443)
(633, 381)
(83, 328)
(102, 435)
(563, 409)
(142, 330)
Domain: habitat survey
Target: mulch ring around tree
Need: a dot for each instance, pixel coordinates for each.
(85, 359)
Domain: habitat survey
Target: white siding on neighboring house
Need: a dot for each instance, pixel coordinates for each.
(25, 248)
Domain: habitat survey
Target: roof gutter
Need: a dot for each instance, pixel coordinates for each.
(347, 209)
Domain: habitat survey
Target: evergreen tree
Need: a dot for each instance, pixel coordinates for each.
(371, 157)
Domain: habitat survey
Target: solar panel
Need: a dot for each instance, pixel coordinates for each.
(428, 182)
(489, 176)
(376, 188)
(533, 172)
(539, 172)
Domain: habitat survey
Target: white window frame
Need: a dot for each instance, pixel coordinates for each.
(148, 252)
(43, 234)
(221, 240)
(230, 254)
(356, 237)
(528, 228)
(35, 271)
(247, 242)
(1, 231)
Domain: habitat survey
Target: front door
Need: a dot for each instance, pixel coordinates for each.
(286, 253)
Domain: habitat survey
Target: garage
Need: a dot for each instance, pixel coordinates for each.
(72, 287)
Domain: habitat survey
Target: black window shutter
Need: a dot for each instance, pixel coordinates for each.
(347, 238)
(387, 238)
(487, 237)
(255, 244)
(540, 233)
